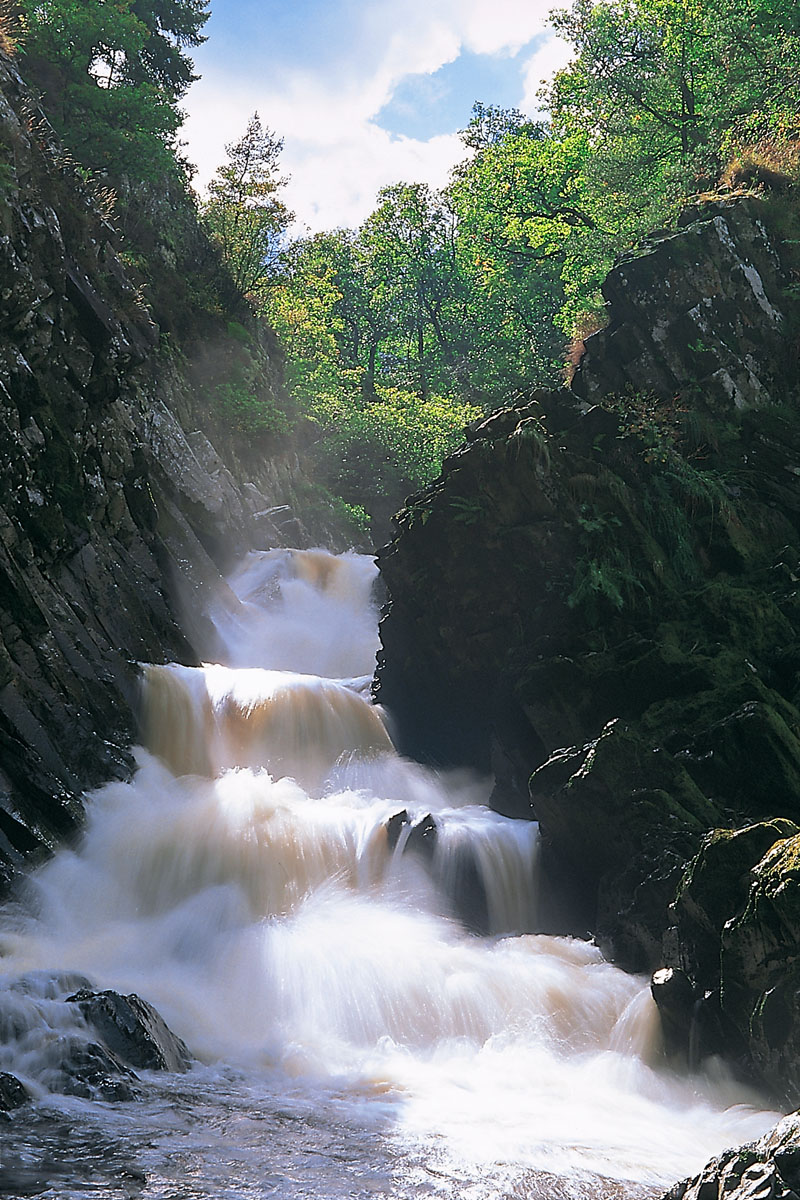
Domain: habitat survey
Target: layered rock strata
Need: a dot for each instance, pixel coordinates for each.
(116, 513)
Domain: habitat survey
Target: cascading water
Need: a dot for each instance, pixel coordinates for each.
(345, 941)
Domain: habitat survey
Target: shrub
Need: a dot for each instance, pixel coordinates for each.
(387, 448)
(242, 410)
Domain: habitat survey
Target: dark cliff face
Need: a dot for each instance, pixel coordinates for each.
(115, 518)
(701, 311)
(600, 605)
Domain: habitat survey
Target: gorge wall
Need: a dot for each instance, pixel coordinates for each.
(117, 514)
(598, 601)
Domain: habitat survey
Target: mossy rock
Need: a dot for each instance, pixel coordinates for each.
(741, 614)
(612, 803)
(750, 759)
(567, 697)
(760, 967)
(767, 932)
(715, 889)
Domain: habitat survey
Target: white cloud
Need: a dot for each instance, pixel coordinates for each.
(324, 199)
(550, 56)
(334, 151)
(502, 25)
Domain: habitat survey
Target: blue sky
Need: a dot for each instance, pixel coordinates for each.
(365, 93)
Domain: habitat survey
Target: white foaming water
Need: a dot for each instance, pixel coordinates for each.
(301, 610)
(291, 895)
(204, 720)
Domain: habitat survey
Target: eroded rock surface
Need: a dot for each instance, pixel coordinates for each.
(768, 1169)
(117, 514)
(600, 605)
(700, 308)
(133, 1030)
(79, 1043)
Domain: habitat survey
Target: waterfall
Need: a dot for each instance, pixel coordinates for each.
(331, 927)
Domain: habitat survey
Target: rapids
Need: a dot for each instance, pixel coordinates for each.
(348, 944)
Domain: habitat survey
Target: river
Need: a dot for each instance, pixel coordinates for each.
(346, 941)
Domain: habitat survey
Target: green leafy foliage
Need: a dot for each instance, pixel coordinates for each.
(235, 388)
(243, 212)
(605, 579)
(357, 315)
(441, 304)
(111, 76)
(242, 410)
(659, 89)
(371, 453)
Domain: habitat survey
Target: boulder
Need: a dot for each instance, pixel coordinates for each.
(422, 839)
(13, 1094)
(394, 827)
(760, 968)
(132, 1030)
(457, 873)
(736, 936)
(90, 1070)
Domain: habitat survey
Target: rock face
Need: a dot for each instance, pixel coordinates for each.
(768, 1169)
(737, 937)
(12, 1093)
(116, 514)
(700, 310)
(83, 1043)
(133, 1030)
(600, 605)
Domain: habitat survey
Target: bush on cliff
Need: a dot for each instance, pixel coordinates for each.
(111, 77)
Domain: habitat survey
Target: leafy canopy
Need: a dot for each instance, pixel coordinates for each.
(244, 213)
(111, 76)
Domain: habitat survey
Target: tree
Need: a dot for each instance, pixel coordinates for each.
(111, 76)
(519, 205)
(658, 85)
(410, 244)
(344, 321)
(171, 25)
(338, 264)
(660, 91)
(244, 213)
(301, 306)
(490, 124)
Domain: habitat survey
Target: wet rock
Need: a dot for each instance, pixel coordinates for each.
(675, 998)
(768, 1169)
(456, 871)
(736, 935)
(468, 891)
(714, 891)
(13, 1094)
(90, 1070)
(650, 810)
(760, 968)
(132, 1030)
(394, 827)
(422, 839)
